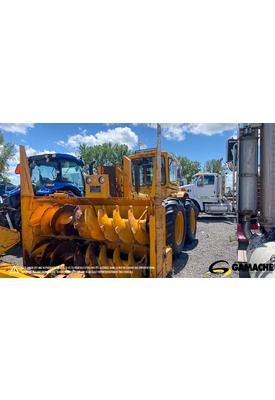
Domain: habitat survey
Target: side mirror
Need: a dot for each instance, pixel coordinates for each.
(17, 169)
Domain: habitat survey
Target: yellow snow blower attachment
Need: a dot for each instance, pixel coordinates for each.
(129, 224)
(9, 238)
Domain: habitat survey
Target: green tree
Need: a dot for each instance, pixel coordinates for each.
(189, 167)
(7, 152)
(215, 166)
(103, 154)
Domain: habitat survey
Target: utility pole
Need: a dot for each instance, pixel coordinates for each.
(139, 144)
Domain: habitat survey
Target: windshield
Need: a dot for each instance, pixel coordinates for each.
(173, 171)
(44, 171)
(56, 170)
(72, 172)
(195, 178)
(146, 170)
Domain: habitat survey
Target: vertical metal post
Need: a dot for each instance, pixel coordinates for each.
(160, 228)
(26, 194)
(158, 161)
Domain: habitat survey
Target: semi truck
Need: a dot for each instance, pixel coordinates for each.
(207, 192)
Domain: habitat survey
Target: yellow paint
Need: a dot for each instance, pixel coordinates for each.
(95, 189)
(193, 220)
(179, 228)
(8, 239)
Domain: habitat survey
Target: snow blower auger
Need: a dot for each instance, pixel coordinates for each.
(130, 223)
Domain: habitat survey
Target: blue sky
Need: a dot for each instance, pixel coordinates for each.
(196, 141)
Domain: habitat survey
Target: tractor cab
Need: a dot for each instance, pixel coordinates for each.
(50, 173)
(143, 171)
(56, 172)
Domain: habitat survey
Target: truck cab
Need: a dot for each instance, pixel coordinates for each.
(207, 192)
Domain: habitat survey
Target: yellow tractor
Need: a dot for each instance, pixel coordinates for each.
(130, 223)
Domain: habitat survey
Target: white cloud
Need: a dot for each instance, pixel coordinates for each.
(178, 131)
(119, 135)
(171, 131)
(210, 129)
(174, 131)
(16, 128)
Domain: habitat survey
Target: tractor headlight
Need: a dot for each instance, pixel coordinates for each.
(101, 179)
(88, 180)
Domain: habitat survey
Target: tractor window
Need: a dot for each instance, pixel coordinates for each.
(43, 172)
(72, 172)
(173, 171)
(209, 179)
(146, 171)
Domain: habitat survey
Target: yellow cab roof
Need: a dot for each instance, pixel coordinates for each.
(149, 153)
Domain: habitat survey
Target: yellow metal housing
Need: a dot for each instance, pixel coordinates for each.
(9, 238)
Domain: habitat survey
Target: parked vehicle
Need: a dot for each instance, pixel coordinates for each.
(208, 193)
(5, 188)
(50, 173)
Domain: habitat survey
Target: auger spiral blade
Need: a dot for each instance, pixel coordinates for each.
(79, 256)
(64, 253)
(138, 227)
(79, 223)
(45, 224)
(91, 261)
(122, 227)
(62, 221)
(106, 225)
(92, 224)
(47, 253)
(38, 214)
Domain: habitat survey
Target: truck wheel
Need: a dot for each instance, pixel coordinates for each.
(175, 225)
(191, 222)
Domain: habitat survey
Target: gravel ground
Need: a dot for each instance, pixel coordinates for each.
(216, 240)
(14, 256)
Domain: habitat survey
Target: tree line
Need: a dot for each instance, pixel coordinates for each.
(108, 154)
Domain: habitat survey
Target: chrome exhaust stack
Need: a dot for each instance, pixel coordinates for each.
(248, 174)
(267, 177)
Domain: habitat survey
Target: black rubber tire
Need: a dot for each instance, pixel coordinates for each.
(190, 236)
(172, 208)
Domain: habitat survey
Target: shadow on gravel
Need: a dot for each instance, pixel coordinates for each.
(179, 263)
(191, 246)
(220, 220)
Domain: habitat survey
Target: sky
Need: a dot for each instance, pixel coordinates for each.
(197, 141)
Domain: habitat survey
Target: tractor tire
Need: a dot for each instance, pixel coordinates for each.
(175, 224)
(191, 212)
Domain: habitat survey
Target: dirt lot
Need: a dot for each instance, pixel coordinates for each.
(215, 241)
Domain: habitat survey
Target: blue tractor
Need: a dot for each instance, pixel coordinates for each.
(50, 173)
